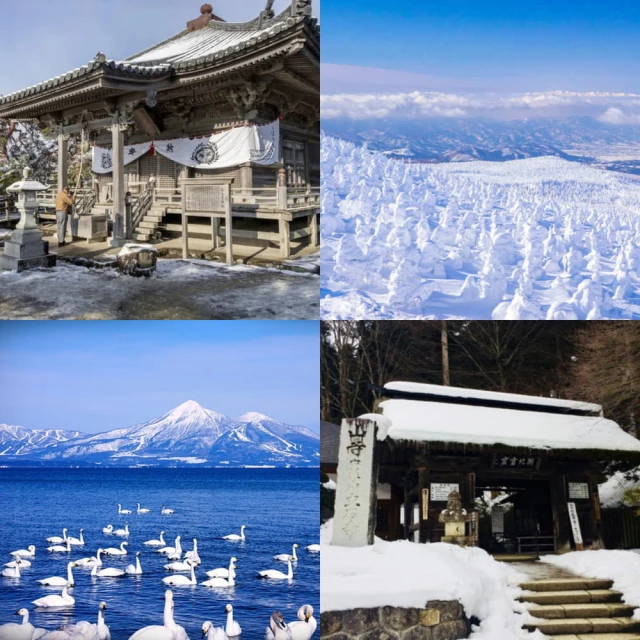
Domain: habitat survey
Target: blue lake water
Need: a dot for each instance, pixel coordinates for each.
(279, 507)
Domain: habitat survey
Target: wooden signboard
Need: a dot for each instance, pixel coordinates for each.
(425, 504)
(440, 491)
(497, 519)
(575, 525)
(578, 491)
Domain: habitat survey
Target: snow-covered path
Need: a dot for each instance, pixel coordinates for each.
(179, 290)
(526, 239)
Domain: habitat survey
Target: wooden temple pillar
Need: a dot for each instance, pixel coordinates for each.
(561, 524)
(596, 515)
(63, 149)
(284, 226)
(117, 152)
(313, 223)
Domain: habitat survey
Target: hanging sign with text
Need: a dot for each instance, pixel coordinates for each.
(440, 491)
(578, 491)
(575, 525)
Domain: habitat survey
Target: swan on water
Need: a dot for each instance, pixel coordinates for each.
(123, 533)
(168, 631)
(213, 633)
(29, 552)
(182, 581)
(166, 512)
(59, 548)
(288, 556)
(179, 566)
(136, 570)
(272, 574)
(172, 551)
(156, 543)
(62, 600)
(122, 512)
(77, 542)
(57, 581)
(110, 572)
(222, 582)
(278, 629)
(143, 510)
(114, 551)
(108, 530)
(232, 628)
(235, 536)
(20, 631)
(12, 572)
(193, 554)
(314, 548)
(87, 630)
(58, 539)
(222, 572)
(88, 562)
(24, 563)
(305, 626)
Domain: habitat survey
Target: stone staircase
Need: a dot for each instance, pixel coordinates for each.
(148, 226)
(579, 609)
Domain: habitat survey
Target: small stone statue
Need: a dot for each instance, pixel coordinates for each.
(455, 519)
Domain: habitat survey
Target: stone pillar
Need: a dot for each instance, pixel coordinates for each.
(63, 165)
(314, 229)
(117, 148)
(285, 237)
(355, 505)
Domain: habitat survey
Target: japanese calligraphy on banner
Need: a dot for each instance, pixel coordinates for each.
(440, 492)
(259, 144)
(575, 525)
(516, 462)
(354, 520)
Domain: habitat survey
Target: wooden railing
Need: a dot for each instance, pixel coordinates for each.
(167, 195)
(141, 205)
(85, 199)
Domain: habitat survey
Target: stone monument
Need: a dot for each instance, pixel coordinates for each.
(354, 522)
(25, 249)
(455, 520)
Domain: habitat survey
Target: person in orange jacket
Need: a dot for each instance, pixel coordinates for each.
(64, 202)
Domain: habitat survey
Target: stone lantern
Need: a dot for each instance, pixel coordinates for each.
(455, 520)
(24, 248)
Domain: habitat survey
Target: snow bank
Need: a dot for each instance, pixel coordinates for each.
(612, 491)
(405, 574)
(132, 248)
(623, 567)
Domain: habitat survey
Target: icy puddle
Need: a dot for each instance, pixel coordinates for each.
(187, 290)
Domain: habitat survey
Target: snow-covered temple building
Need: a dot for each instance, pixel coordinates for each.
(527, 468)
(227, 103)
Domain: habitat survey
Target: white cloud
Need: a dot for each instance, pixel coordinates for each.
(614, 115)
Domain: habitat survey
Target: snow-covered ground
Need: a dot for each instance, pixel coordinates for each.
(404, 574)
(527, 239)
(180, 289)
(623, 567)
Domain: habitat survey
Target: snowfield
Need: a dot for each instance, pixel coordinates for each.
(180, 289)
(541, 238)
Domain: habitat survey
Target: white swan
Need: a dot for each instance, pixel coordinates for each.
(12, 572)
(88, 562)
(288, 556)
(314, 548)
(305, 626)
(24, 563)
(213, 633)
(87, 630)
(29, 552)
(166, 512)
(193, 554)
(221, 572)
(19, 631)
(143, 510)
(122, 533)
(172, 551)
(77, 542)
(59, 548)
(110, 572)
(169, 631)
(232, 628)
(235, 536)
(179, 566)
(108, 530)
(278, 629)
(122, 512)
(272, 574)
(221, 582)
(182, 581)
(156, 543)
(58, 539)
(136, 570)
(114, 551)
(62, 600)
(57, 581)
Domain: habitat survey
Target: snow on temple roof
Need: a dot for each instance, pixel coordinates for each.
(514, 421)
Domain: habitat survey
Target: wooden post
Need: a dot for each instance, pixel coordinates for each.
(282, 190)
(408, 507)
(215, 230)
(117, 154)
(285, 237)
(185, 236)
(444, 338)
(63, 148)
(596, 516)
(314, 229)
(561, 524)
(228, 222)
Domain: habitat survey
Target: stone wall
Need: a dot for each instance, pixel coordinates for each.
(438, 620)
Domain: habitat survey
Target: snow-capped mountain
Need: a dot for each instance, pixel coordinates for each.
(188, 434)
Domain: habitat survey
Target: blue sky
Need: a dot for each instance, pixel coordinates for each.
(42, 39)
(493, 45)
(96, 376)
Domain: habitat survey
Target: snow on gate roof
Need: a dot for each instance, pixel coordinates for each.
(431, 413)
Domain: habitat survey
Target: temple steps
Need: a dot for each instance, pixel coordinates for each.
(579, 609)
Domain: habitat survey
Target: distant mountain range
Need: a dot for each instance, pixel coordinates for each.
(467, 139)
(189, 435)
